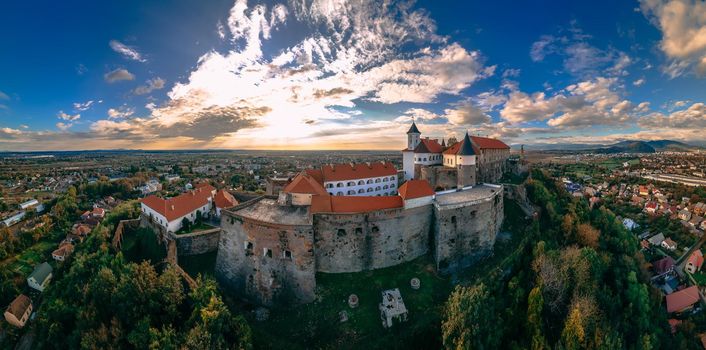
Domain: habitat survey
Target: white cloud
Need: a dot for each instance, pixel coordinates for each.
(542, 47)
(83, 106)
(119, 74)
(63, 126)
(221, 30)
(126, 51)
(3, 96)
(639, 82)
(683, 26)
(692, 118)
(68, 117)
(511, 73)
(122, 112)
(151, 85)
(466, 113)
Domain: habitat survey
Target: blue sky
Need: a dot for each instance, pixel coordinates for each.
(329, 74)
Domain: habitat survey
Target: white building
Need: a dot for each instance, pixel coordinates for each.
(169, 213)
(29, 204)
(364, 179)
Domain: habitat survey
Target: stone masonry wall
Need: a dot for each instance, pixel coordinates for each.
(197, 242)
(440, 177)
(267, 263)
(357, 242)
(465, 233)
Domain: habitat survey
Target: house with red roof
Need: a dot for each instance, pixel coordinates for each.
(416, 193)
(169, 213)
(693, 264)
(682, 300)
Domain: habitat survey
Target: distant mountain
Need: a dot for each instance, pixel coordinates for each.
(631, 146)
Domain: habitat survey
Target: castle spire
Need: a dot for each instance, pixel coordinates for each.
(413, 129)
(466, 147)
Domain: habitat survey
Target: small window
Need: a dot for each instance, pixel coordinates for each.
(287, 255)
(361, 182)
(358, 230)
(341, 232)
(361, 191)
(267, 252)
(376, 229)
(453, 219)
(248, 246)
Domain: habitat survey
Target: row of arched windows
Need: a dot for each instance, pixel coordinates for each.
(360, 182)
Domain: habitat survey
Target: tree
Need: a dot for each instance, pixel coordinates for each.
(470, 319)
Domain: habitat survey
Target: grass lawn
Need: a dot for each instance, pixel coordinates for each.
(700, 278)
(24, 262)
(203, 264)
(317, 325)
(194, 228)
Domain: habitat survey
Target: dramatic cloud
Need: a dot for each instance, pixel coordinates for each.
(692, 118)
(466, 113)
(68, 117)
(119, 74)
(683, 26)
(63, 126)
(126, 51)
(151, 85)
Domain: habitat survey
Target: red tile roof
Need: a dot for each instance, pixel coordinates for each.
(415, 189)
(183, 204)
(663, 265)
(479, 143)
(696, 258)
(305, 183)
(353, 204)
(224, 199)
(428, 146)
(682, 299)
(316, 174)
(343, 172)
(488, 143)
(19, 306)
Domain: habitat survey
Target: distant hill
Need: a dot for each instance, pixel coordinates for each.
(632, 146)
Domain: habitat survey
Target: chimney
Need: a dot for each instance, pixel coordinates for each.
(172, 206)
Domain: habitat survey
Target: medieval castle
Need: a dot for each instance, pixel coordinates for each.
(355, 217)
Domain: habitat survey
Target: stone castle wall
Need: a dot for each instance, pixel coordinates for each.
(244, 265)
(465, 233)
(366, 241)
(200, 242)
(440, 178)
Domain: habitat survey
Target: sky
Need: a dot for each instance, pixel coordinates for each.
(335, 74)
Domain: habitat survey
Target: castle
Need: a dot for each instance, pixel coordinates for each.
(356, 217)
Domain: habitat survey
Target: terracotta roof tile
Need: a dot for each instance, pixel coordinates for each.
(343, 172)
(304, 183)
(428, 146)
(353, 204)
(415, 189)
(696, 258)
(19, 306)
(183, 204)
(682, 299)
(488, 143)
(224, 199)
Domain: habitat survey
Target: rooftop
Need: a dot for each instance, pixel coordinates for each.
(268, 210)
(19, 306)
(342, 172)
(183, 204)
(475, 193)
(41, 272)
(353, 204)
(415, 189)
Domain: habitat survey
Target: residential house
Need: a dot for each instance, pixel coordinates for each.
(29, 204)
(65, 249)
(695, 221)
(663, 265)
(629, 224)
(693, 264)
(669, 244)
(651, 207)
(682, 300)
(644, 191)
(86, 214)
(40, 277)
(98, 213)
(656, 239)
(17, 313)
(684, 214)
(699, 208)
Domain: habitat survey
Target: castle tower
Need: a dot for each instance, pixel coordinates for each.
(466, 164)
(413, 139)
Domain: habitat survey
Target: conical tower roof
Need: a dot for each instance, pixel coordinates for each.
(413, 129)
(466, 147)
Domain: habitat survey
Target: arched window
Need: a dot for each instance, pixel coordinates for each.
(351, 183)
(340, 184)
(351, 192)
(370, 189)
(361, 182)
(339, 193)
(377, 188)
(392, 185)
(361, 191)
(377, 180)
(385, 187)
(384, 179)
(369, 181)
(329, 185)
